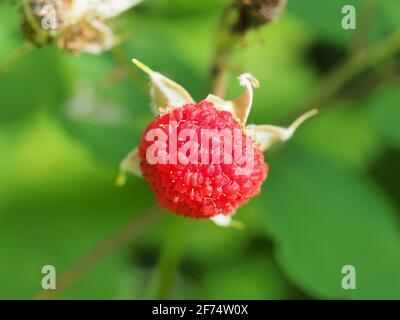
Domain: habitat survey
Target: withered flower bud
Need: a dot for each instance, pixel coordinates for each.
(42, 19)
(73, 25)
(254, 13)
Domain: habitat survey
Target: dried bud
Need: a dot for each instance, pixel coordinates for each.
(254, 13)
(42, 19)
(73, 25)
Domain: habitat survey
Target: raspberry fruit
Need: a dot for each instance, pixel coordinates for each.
(200, 159)
(202, 190)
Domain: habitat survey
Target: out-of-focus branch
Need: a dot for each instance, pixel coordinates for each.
(360, 39)
(358, 63)
(236, 20)
(130, 231)
(171, 256)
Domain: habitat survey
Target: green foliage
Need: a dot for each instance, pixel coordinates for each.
(377, 18)
(66, 122)
(345, 135)
(324, 17)
(384, 112)
(323, 218)
(30, 86)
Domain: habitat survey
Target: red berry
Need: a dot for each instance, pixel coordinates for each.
(204, 189)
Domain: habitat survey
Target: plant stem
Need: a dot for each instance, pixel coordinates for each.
(362, 32)
(226, 41)
(171, 255)
(128, 232)
(237, 18)
(355, 65)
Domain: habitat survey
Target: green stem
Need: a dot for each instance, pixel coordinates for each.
(237, 19)
(360, 39)
(225, 44)
(354, 66)
(171, 255)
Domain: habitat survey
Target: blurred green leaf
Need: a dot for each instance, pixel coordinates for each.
(323, 218)
(208, 250)
(385, 19)
(59, 240)
(106, 110)
(390, 8)
(257, 277)
(36, 80)
(325, 17)
(154, 43)
(343, 133)
(384, 111)
(279, 66)
(57, 204)
(10, 33)
(181, 8)
(375, 19)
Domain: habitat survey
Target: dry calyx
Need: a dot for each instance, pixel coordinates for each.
(255, 13)
(73, 25)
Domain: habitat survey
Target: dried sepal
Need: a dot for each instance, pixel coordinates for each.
(226, 221)
(221, 104)
(240, 107)
(166, 94)
(243, 104)
(42, 19)
(130, 164)
(267, 135)
(74, 25)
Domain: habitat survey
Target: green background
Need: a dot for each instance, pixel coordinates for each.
(331, 199)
